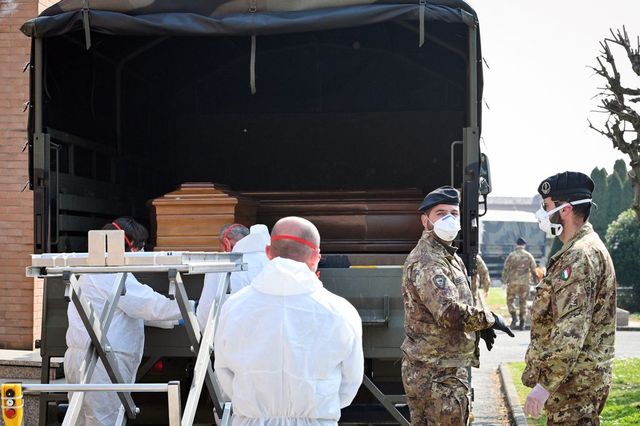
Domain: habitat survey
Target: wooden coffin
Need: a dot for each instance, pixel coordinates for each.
(190, 218)
(383, 221)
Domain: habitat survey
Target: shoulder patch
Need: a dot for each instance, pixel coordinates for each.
(566, 273)
(439, 280)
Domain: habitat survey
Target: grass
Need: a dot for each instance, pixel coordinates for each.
(497, 301)
(623, 404)
(634, 316)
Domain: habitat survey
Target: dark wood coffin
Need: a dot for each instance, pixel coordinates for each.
(384, 221)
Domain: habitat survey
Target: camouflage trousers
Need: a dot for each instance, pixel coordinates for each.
(436, 395)
(577, 402)
(518, 292)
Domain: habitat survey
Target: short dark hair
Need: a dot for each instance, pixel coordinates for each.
(236, 233)
(582, 210)
(133, 230)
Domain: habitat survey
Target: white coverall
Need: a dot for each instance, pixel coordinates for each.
(253, 249)
(126, 337)
(288, 351)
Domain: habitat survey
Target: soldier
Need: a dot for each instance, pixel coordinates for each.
(443, 319)
(568, 362)
(481, 280)
(519, 270)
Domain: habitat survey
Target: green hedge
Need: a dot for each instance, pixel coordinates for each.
(623, 242)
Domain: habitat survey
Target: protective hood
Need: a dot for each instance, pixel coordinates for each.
(256, 242)
(286, 277)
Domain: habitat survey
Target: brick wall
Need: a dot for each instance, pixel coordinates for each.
(17, 293)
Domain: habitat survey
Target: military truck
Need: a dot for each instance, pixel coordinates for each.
(345, 111)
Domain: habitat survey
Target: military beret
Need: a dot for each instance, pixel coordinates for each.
(521, 242)
(566, 184)
(443, 195)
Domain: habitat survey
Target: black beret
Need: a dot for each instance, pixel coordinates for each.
(566, 184)
(443, 195)
(521, 241)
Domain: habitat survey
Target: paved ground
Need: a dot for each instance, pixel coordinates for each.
(488, 407)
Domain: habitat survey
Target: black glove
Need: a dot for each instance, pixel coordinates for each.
(489, 336)
(499, 324)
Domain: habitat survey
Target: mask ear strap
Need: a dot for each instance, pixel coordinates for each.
(126, 240)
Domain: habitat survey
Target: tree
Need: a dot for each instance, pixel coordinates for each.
(620, 169)
(598, 217)
(612, 195)
(622, 126)
(623, 242)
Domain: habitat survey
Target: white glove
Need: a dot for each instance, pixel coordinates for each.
(161, 324)
(535, 401)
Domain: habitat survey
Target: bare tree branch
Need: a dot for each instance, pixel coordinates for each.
(622, 119)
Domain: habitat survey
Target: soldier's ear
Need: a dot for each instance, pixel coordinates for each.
(424, 218)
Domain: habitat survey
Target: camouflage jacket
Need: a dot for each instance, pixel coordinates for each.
(442, 314)
(481, 280)
(574, 316)
(519, 268)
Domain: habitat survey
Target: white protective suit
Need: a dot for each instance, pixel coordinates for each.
(288, 351)
(126, 336)
(253, 249)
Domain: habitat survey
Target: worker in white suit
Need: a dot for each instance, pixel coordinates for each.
(235, 238)
(126, 333)
(288, 351)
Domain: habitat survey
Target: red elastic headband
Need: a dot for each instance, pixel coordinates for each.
(131, 247)
(226, 233)
(296, 239)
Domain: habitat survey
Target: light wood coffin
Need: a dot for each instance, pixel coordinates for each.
(190, 218)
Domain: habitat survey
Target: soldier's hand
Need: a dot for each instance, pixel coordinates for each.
(499, 324)
(489, 336)
(535, 401)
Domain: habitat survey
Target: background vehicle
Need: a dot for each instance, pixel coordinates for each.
(332, 111)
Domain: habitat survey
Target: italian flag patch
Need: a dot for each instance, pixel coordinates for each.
(566, 273)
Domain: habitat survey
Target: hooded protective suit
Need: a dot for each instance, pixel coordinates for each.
(287, 351)
(126, 336)
(253, 249)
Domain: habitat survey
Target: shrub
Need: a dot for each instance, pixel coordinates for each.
(623, 242)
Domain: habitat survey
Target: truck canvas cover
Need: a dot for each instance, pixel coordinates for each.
(235, 17)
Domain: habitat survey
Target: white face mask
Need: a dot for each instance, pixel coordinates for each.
(447, 227)
(544, 218)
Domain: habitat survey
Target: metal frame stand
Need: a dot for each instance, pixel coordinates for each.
(97, 326)
(172, 389)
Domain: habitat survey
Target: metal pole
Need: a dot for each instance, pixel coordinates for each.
(472, 25)
(101, 343)
(41, 162)
(91, 357)
(471, 152)
(96, 387)
(37, 87)
(173, 399)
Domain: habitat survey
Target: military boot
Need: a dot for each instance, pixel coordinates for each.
(521, 323)
(514, 320)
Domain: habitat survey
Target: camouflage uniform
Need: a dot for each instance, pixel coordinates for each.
(573, 331)
(481, 279)
(519, 269)
(442, 320)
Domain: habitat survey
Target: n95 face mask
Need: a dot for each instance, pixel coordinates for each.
(544, 218)
(447, 227)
